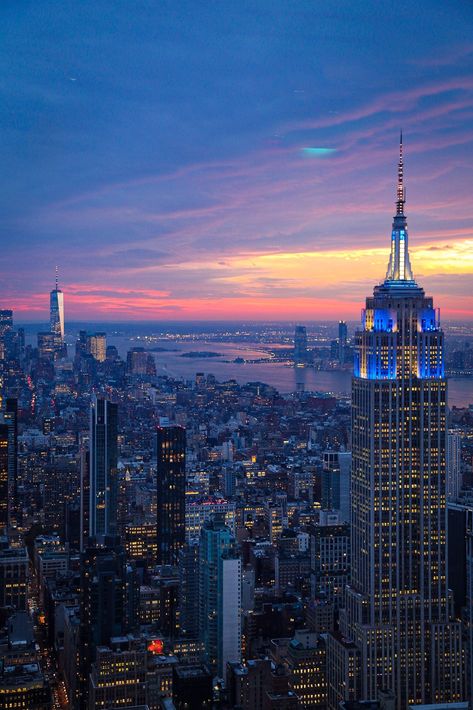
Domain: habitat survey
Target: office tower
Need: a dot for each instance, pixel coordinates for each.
(107, 598)
(119, 678)
(140, 543)
(4, 488)
(468, 625)
(342, 340)
(330, 559)
(136, 361)
(397, 604)
(189, 590)
(84, 461)
(306, 667)
(202, 509)
(220, 596)
(8, 464)
(336, 482)
(61, 487)
(96, 345)
(103, 476)
(300, 346)
(454, 476)
(56, 315)
(14, 566)
(47, 345)
(171, 492)
(24, 686)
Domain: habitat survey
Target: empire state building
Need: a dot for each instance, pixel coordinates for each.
(397, 636)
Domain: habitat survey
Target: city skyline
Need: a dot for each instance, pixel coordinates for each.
(221, 168)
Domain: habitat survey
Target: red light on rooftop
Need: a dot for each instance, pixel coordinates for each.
(156, 646)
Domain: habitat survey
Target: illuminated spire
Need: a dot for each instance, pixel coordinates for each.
(401, 195)
(57, 278)
(399, 268)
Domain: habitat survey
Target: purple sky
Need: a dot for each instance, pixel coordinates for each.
(157, 151)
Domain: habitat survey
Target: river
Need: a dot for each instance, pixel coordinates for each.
(284, 378)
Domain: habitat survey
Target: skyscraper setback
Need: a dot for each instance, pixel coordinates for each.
(397, 605)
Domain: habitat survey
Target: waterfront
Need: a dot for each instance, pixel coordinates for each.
(284, 378)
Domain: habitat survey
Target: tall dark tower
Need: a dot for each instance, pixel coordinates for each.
(10, 418)
(300, 346)
(103, 476)
(171, 492)
(108, 605)
(4, 488)
(8, 465)
(397, 605)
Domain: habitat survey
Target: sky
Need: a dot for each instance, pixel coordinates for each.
(230, 159)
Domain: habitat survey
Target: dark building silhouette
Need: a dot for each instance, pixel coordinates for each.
(300, 345)
(192, 687)
(109, 599)
(3, 479)
(103, 468)
(171, 492)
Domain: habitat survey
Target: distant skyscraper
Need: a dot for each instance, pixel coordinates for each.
(97, 346)
(171, 492)
(47, 345)
(397, 605)
(103, 479)
(300, 345)
(342, 340)
(6, 320)
(56, 313)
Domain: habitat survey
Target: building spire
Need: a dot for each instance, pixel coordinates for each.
(401, 195)
(399, 268)
(57, 277)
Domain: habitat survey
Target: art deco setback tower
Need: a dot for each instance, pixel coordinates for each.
(56, 313)
(397, 606)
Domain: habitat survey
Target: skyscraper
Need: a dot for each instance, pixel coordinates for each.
(336, 482)
(8, 464)
(3, 479)
(220, 595)
(103, 480)
(171, 492)
(342, 340)
(56, 313)
(397, 604)
(10, 418)
(300, 346)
